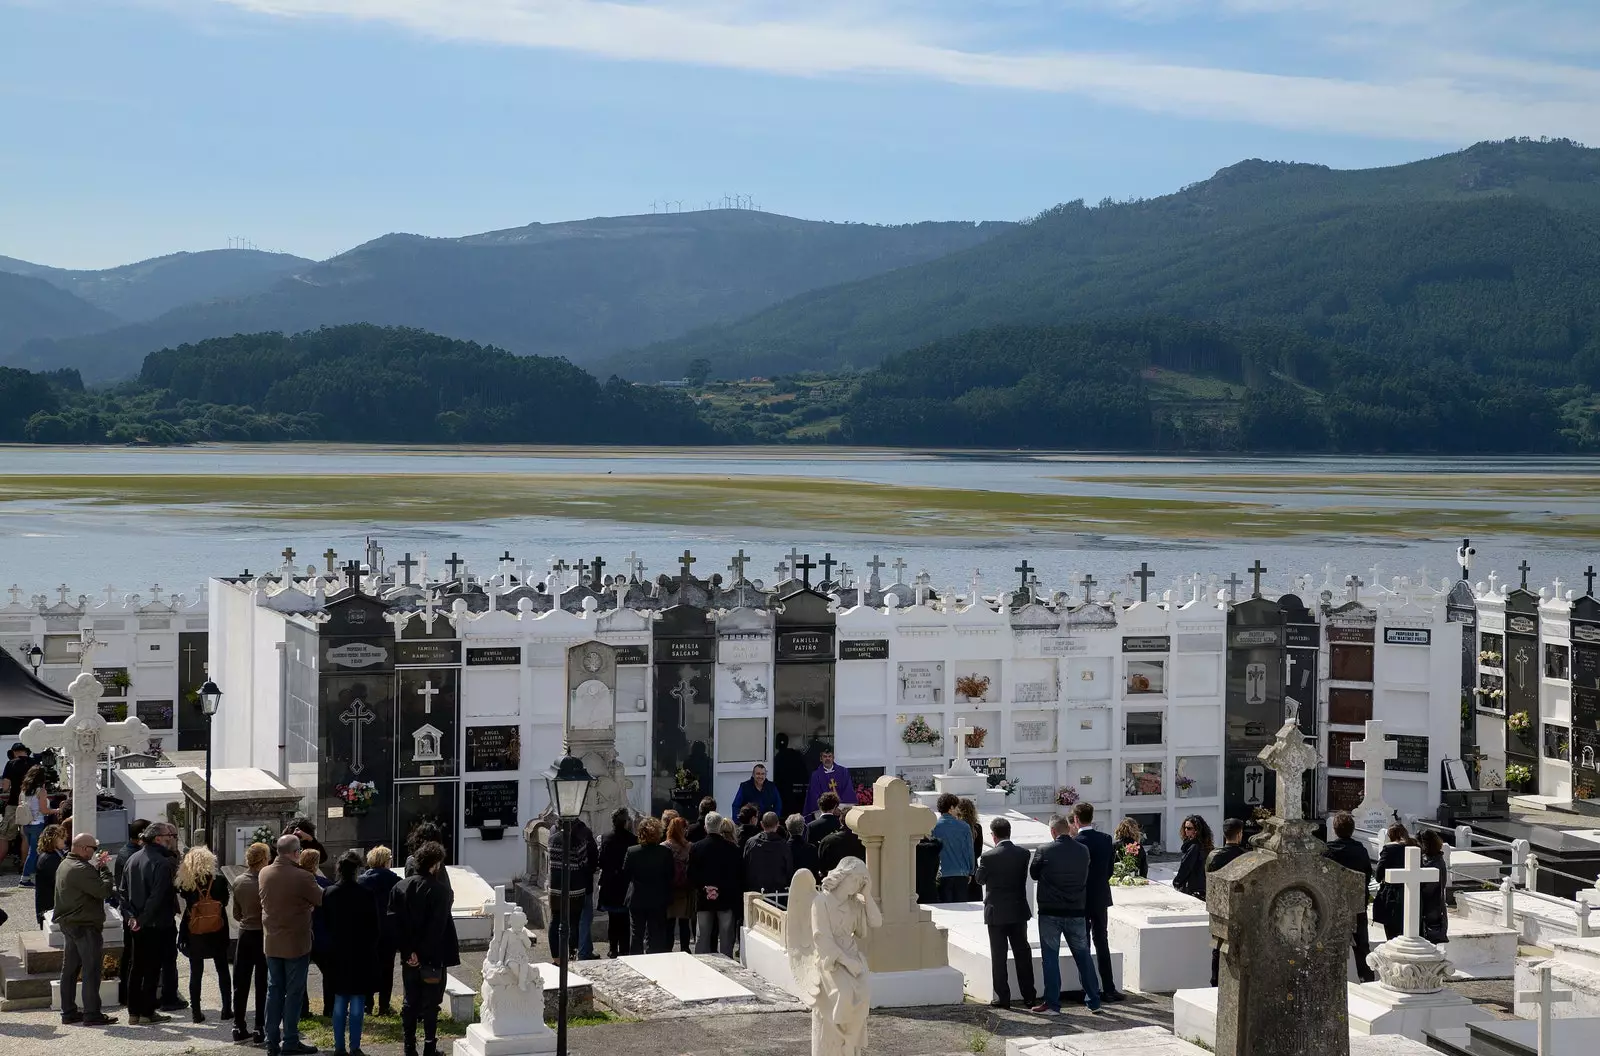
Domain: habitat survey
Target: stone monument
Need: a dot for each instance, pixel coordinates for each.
(591, 728)
(512, 1019)
(1283, 914)
(84, 737)
(823, 933)
(1410, 964)
(1544, 999)
(908, 941)
(1374, 814)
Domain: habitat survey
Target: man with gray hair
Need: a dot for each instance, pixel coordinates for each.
(83, 883)
(801, 854)
(289, 895)
(716, 876)
(1061, 869)
(151, 911)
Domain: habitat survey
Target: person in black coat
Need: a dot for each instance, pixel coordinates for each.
(203, 929)
(1102, 859)
(612, 894)
(836, 848)
(768, 866)
(353, 934)
(697, 831)
(1130, 835)
(716, 875)
(827, 822)
(380, 879)
(749, 825)
(647, 874)
(1388, 908)
(1003, 872)
(1435, 917)
(1197, 846)
(802, 855)
(1232, 847)
(425, 937)
(1352, 854)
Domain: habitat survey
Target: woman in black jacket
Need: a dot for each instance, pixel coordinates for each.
(1129, 840)
(353, 936)
(425, 937)
(203, 929)
(1388, 908)
(1197, 847)
(613, 893)
(648, 870)
(379, 878)
(1435, 918)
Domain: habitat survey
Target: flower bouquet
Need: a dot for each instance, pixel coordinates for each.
(973, 687)
(976, 738)
(1126, 872)
(1066, 796)
(1185, 783)
(263, 834)
(1518, 723)
(1518, 776)
(1007, 785)
(357, 795)
(921, 738)
(863, 794)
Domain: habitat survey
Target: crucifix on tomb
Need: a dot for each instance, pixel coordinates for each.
(1352, 586)
(1024, 570)
(1412, 877)
(686, 561)
(899, 567)
(427, 693)
(1087, 583)
(84, 736)
(430, 611)
(356, 716)
(1289, 756)
(1257, 572)
(877, 565)
(890, 829)
(959, 732)
(406, 564)
(826, 564)
(1143, 576)
(736, 565)
(455, 563)
(1543, 999)
(781, 570)
(353, 574)
(1588, 576)
(805, 566)
(64, 590)
(330, 555)
(597, 571)
(16, 592)
(1233, 583)
(1524, 568)
(582, 568)
(1373, 813)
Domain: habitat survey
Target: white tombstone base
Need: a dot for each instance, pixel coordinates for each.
(479, 1042)
(110, 932)
(108, 994)
(990, 801)
(926, 986)
(1576, 968)
(969, 953)
(1374, 1009)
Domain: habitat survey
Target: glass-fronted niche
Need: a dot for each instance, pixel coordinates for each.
(1143, 779)
(1197, 777)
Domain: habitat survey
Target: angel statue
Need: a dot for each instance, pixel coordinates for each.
(822, 933)
(509, 1008)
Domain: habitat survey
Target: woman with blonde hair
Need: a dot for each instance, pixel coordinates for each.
(1129, 839)
(681, 908)
(379, 877)
(203, 930)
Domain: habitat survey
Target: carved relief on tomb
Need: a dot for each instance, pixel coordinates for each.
(1295, 918)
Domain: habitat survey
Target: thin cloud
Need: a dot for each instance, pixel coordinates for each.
(1465, 95)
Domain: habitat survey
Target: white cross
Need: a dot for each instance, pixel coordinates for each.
(64, 590)
(890, 828)
(427, 693)
(1289, 756)
(499, 909)
(1373, 753)
(430, 610)
(422, 570)
(959, 731)
(16, 594)
(111, 593)
(1412, 877)
(635, 566)
(523, 568)
(84, 738)
(1544, 997)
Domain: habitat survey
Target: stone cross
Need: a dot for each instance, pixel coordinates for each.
(64, 590)
(330, 555)
(406, 564)
(352, 575)
(826, 564)
(736, 566)
(1024, 570)
(84, 737)
(1588, 576)
(1233, 583)
(805, 565)
(1374, 751)
(899, 567)
(356, 716)
(1524, 568)
(792, 559)
(1290, 756)
(16, 592)
(687, 561)
(498, 909)
(890, 829)
(455, 564)
(876, 565)
(781, 570)
(1257, 572)
(1412, 877)
(597, 571)
(959, 731)
(1143, 576)
(427, 693)
(288, 556)
(1353, 587)
(1543, 998)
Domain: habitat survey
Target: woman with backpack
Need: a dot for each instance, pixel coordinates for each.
(203, 930)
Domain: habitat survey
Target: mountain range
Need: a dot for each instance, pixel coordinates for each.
(582, 290)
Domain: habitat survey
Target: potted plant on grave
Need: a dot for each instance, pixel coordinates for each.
(972, 687)
(1518, 776)
(1125, 873)
(1518, 722)
(1184, 783)
(685, 793)
(920, 739)
(358, 796)
(1007, 785)
(1066, 796)
(976, 738)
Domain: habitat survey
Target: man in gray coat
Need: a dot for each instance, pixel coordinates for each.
(1003, 872)
(1062, 871)
(83, 883)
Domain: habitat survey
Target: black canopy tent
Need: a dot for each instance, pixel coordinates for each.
(24, 698)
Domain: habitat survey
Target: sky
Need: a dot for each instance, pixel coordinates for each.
(133, 128)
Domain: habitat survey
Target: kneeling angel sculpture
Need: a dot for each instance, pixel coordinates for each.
(822, 933)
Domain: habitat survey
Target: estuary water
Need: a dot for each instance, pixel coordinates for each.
(133, 517)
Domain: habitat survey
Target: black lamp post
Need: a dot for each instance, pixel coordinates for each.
(568, 783)
(210, 698)
(35, 657)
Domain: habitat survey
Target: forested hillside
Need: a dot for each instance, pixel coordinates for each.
(32, 309)
(1487, 261)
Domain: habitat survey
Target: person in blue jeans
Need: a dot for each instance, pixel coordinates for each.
(956, 860)
(289, 895)
(1060, 870)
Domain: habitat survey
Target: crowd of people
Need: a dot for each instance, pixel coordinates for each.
(289, 914)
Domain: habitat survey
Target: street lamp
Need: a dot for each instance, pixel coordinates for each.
(35, 657)
(210, 698)
(568, 783)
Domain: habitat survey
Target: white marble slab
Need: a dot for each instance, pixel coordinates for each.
(1374, 1010)
(685, 978)
(968, 948)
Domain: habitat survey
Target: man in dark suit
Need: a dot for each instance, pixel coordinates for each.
(1102, 859)
(1003, 872)
(1232, 847)
(827, 821)
(1353, 855)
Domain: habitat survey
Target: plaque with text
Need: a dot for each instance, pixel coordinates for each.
(805, 645)
(1357, 635)
(491, 799)
(1148, 643)
(686, 650)
(1349, 707)
(493, 748)
(1586, 666)
(428, 653)
(633, 655)
(1339, 751)
(1345, 793)
(156, 714)
(1302, 636)
(1407, 636)
(495, 656)
(864, 649)
(921, 683)
(1413, 757)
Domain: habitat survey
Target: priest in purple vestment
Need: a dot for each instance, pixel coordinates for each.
(829, 777)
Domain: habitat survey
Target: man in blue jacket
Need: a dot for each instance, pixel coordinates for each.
(1102, 860)
(759, 791)
(1061, 872)
(956, 857)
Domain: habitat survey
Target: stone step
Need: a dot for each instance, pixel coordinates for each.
(39, 956)
(21, 990)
